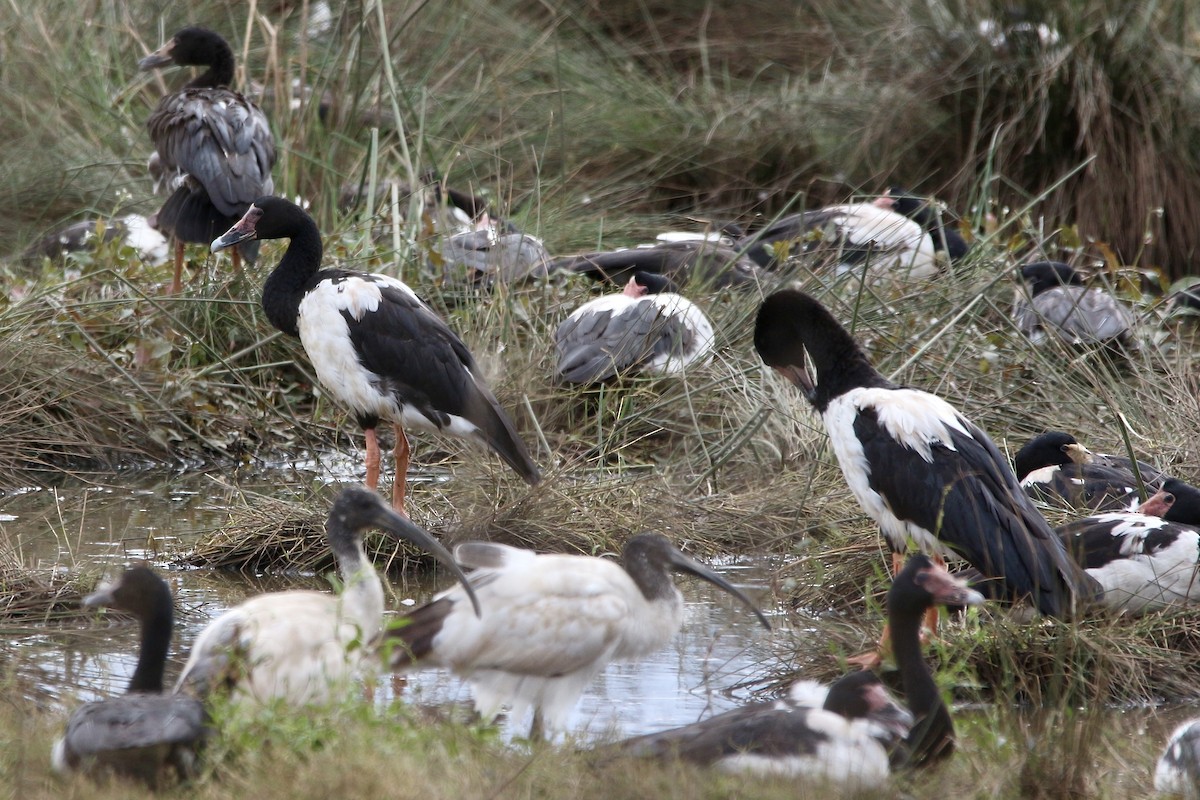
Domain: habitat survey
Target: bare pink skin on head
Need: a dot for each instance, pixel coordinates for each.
(884, 202)
(634, 289)
(1157, 504)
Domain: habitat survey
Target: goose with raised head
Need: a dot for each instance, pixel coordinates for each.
(376, 347)
(551, 622)
(213, 147)
(1054, 466)
(852, 732)
(919, 468)
(644, 328)
(143, 733)
(303, 647)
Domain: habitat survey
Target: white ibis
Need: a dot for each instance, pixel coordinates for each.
(687, 262)
(1054, 465)
(550, 622)
(660, 333)
(851, 733)
(376, 347)
(1056, 302)
(303, 647)
(918, 467)
(144, 733)
(214, 147)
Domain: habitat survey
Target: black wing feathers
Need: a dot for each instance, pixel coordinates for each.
(969, 499)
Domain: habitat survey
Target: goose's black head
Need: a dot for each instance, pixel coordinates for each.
(921, 584)
(268, 217)
(1052, 448)
(193, 46)
(1043, 275)
(138, 591)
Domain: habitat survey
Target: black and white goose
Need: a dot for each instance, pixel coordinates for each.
(689, 262)
(941, 226)
(658, 332)
(1054, 467)
(858, 237)
(144, 733)
(1056, 302)
(304, 647)
(214, 147)
(550, 622)
(918, 467)
(851, 733)
(1142, 562)
(376, 347)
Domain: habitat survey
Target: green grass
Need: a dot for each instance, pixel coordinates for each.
(594, 129)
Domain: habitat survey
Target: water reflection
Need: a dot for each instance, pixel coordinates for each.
(103, 528)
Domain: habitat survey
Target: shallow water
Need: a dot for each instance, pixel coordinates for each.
(104, 524)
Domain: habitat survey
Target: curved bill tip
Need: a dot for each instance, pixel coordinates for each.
(102, 596)
(403, 528)
(684, 564)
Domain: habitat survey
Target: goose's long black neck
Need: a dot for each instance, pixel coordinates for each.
(286, 285)
(152, 654)
(219, 72)
(933, 734)
(840, 363)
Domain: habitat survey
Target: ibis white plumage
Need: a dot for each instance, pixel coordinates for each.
(550, 623)
(144, 733)
(302, 646)
(917, 466)
(376, 347)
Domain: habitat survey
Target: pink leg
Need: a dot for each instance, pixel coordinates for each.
(372, 459)
(400, 485)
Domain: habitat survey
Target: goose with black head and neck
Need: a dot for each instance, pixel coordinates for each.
(918, 467)
(376, 347)
(214, 149)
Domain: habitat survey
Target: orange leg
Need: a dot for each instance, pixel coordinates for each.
(177, 281)
(400, 484)
(237, 261)
(872, 659)
(372, 459)
(931, 616)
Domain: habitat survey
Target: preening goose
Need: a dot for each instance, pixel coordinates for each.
(304, 647)
(214, 148)
(658, 332)
(918, 467)
(143, 733)
(376, 347)
(1056, 302)
(550, 622)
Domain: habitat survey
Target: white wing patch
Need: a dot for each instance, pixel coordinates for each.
(915, 420)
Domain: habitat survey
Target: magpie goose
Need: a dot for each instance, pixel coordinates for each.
(1055, 466)
(856, 236)
(143, 733)
(376, 346)
(550, 622)
(1056, 302)
(684, 262)
(852, 732)
(661, 332)
(917, 466)
(214, 147)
